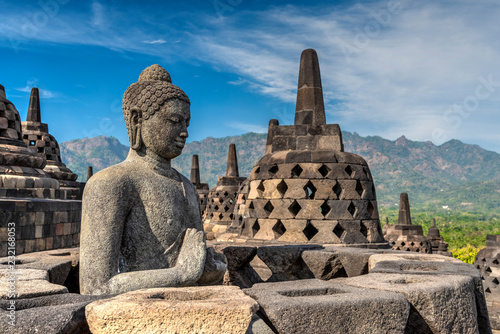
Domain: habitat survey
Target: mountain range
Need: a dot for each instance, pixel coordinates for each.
(453, 175)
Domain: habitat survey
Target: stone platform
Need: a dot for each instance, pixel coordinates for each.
(301, 288)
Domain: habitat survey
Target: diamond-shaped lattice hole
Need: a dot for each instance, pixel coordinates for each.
(338, 230)
(216, 207)
(359, 188)
(310, 231)
(352, 209)
(294, 208)
(279, 229)
(417, 250)
(495, 261)
(273, 170)
(226, 193)
(495, 281)
(421, 243)
(324, 208)
(268, 207)
(226, 208)
(261, 188)
(282, 188)
(337, 189)
(348, 170)
(402, 243)
(412, 244)
(255, 227)
(221, 215)
(240, 218)
(370, 209)
(364, 230)
(324, 170)
(251, 206)
(221, 200)
(296, 171)
(231, 201)
(310, 190)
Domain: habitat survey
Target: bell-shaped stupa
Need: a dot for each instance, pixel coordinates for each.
(405, 236)
(36, 136)
(222, 198)
(306, 189)
(21, 169)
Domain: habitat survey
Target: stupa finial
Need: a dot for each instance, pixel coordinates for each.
(310, 108)
(232, 162)
(34, 107)
(404, 217)
(195, 170)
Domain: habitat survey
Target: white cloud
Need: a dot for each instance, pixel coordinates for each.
(156, 41)
(247, 127)
(44, 93)
(401, 79)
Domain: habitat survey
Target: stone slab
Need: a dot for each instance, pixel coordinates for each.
(439, 303)
(315, 306)
(210, 309)
(30, 289)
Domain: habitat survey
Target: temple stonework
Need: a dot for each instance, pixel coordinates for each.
(201, 188)
(404, 235)
(36, 136)
(306, 188)
(44, 216)
(439, 246)
(219, 213)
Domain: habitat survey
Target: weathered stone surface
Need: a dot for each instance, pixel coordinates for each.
(436, 265)
(215, 309)
(324, 265)
(400, 256)
(285, 262)
(440, 303)
(62, 314)
(142, 215)
(24, 274)
(30, 289)
(314, 306)
(57, 267)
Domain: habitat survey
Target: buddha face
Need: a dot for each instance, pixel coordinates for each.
(165, 132)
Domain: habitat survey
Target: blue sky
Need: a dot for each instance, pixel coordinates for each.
(425, 69)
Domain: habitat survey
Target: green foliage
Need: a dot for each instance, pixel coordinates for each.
(466, 254)
(457, 228)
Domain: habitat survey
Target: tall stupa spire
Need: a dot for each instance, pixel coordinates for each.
(232, 162)
(195, 170)
(310, 108)
(404, 217)
(34, 107)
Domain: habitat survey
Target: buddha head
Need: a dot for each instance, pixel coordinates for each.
(157, 114)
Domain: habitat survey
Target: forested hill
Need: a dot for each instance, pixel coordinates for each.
(454, 174)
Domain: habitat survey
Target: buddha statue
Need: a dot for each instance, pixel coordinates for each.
(141, 225)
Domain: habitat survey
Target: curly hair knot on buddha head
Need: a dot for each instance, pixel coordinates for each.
(152, 91)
